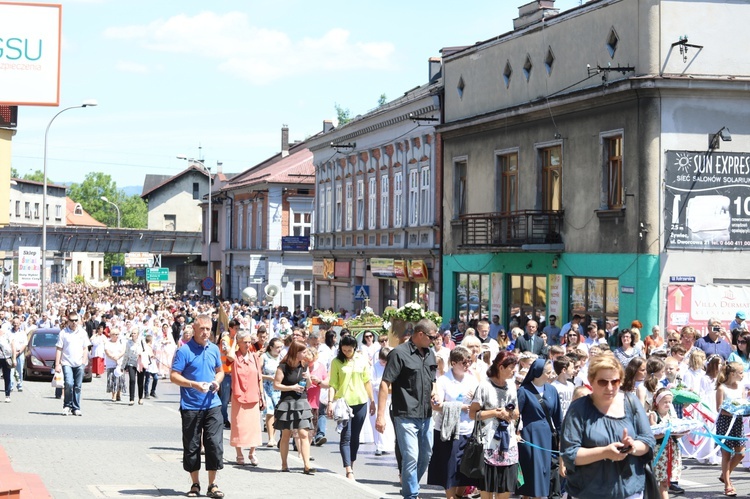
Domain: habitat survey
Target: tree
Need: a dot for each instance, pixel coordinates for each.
(343, 114)
(382, 100)
(37, 176)
(14, 173)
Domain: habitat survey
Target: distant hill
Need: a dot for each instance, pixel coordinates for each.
(132, 189)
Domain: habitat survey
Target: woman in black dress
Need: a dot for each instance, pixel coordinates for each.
(293, 412)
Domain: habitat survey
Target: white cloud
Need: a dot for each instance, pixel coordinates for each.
(131, 67)
(258, 55)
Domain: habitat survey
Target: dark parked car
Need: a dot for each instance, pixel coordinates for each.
(40, 356)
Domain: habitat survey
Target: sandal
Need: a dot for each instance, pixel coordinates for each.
(195, 490)
(240, 461)
(213, 491)
(253, 460)
(309, 471)
(729, 491)
(350, 475)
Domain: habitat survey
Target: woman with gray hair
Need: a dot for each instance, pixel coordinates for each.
(247, 398)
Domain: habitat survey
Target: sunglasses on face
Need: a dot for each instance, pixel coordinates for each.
(432, 337)
(741, 342)
(604, 383)
(384, 340)
(672, 341)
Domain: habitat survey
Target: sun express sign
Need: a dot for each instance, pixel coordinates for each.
(30, 54)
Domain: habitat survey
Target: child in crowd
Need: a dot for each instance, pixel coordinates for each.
(565, 370)
(729, 387)
(669, 466)
(654, 373)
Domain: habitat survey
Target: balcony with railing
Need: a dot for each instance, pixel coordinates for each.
(515, 229)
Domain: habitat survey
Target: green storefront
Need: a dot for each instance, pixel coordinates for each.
(619, 287)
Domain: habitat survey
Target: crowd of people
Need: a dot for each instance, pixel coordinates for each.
(556, 410)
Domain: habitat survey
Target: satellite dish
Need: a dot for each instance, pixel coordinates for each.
(249, 294)
(271, 290)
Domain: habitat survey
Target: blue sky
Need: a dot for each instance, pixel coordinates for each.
(170, 76)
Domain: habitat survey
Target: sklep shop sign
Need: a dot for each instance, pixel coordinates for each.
(30, 54)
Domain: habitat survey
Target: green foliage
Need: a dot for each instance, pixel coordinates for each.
(343, 114)
(133, 211)
(37, 176)
(79, 279)
(382, 100)
(14, 173)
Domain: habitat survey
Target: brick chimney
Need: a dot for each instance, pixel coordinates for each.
(284, 141)
(534, 12)
(327, 126)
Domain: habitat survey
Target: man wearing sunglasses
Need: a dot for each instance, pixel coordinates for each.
(410, 372)
(71, 358)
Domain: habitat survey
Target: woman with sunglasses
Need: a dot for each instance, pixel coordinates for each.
(455, 389)
(742, 354)
(502, 340)
(369, 346)
(605, 437)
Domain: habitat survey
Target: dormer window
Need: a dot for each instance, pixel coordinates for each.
(78, 210)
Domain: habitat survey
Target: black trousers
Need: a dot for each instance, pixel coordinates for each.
(207, 425)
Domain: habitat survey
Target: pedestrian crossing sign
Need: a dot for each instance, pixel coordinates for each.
(361, 292)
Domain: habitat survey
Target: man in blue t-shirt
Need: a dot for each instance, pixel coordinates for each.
(196, 369)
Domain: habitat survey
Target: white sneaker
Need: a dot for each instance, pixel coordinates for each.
(66, 411)
(7, 400)
(77, 412)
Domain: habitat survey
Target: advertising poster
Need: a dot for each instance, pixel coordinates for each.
(29, 267)
(497, 294)
(707, 200)
(554, 303)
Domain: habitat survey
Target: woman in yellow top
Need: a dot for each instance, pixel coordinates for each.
(350, 379)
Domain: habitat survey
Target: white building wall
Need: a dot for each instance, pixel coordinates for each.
(176, 198)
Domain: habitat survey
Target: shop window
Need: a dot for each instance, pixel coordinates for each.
(597, 300)
(528, 298)
(420, 293)
(472, 296)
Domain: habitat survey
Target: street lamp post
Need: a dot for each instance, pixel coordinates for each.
(45, 213)
(208, 213)
(104, 198)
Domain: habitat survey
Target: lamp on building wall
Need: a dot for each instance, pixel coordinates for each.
(284, 279)
(715, 139)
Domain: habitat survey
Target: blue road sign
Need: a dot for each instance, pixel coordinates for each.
(117, 271)
(361, 292)
(140, 272)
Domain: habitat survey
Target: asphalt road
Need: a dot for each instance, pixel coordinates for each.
(116, 450)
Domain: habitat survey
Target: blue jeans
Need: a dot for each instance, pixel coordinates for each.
(225, 393)
(20, 361)
(147, 381)
(349, 442)
(414, 438)
(73, 382)
(322, 421)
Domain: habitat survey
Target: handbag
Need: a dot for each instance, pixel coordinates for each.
(652, 490)
(554, 485)
(472, 462)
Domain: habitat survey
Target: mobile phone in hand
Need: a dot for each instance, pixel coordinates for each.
(626, 449)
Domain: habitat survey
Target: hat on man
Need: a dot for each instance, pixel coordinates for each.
(741, 315)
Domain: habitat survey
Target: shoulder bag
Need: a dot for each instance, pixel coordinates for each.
(652, 490)
(554, 474)
(472, 462)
